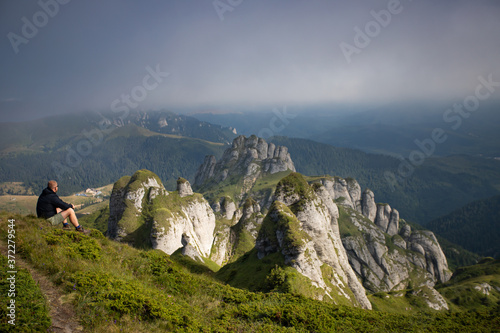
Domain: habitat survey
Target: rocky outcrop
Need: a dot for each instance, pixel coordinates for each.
(183, 187)
(126, 202)
(191, 218)
(173, 220)
(425, 242)
(388, 259)
(248, 157)
(384, 255)
(244, 233)
(206, 170)
(299, 226)
(387, 219)
(431, 297)
(368, 206)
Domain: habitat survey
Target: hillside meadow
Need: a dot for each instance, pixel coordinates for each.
(116, 288)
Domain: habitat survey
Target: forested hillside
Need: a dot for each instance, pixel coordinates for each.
(475, 226)
(93, 149)
(437, 187)
(122, 153)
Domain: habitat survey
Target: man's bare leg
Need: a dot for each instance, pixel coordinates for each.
(72, 216)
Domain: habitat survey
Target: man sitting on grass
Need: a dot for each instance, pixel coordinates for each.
(50, 207)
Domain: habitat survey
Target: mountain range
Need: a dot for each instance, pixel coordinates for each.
(283, 215)
(92, 150)
(389, 129)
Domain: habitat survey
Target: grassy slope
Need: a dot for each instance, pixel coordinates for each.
(466, 287)
(231, 187)
(117, 288)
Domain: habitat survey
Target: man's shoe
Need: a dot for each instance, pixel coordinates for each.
(66, 226)
(80, 229)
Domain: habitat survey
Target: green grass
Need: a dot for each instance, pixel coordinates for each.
(462, 288)
(232, 187)
(269, 181)
(118, 288)
(31, 313)
(346, 227)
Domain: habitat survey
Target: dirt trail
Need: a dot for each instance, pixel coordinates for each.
(61, 310)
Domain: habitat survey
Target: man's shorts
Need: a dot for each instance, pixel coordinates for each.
(56, 219)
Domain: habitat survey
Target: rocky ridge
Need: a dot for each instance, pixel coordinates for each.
(330, 231)
(250, 158)
(302, 227)
(169, 123)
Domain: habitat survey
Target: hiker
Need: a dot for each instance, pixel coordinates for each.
(50, 207)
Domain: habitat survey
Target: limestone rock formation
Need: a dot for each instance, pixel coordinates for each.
(368, 206)
(173, 220)
(299, 226)
(191, 218)
(330, 231)
(183, 187)
(387, 257)
(384, 255)
(126, 202)
(206, 170)
(248, 157)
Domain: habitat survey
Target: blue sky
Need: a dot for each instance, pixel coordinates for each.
(240, 54)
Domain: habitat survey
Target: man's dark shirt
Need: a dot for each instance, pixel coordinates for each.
(47, 203)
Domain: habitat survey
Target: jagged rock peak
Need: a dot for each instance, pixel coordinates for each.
(368, 206)
(183, 187)
(250, 157)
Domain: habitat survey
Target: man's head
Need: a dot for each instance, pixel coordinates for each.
(53, 185)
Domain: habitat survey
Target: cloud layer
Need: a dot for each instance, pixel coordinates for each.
(90, 53)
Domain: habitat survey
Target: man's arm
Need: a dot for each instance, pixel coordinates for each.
(57, 202)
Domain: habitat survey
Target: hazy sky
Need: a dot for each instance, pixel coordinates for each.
(64, 56)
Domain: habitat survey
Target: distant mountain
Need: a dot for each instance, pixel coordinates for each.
(437, 187)
(475, 226)
(389, 129)
(90, 149)
(54, 133)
